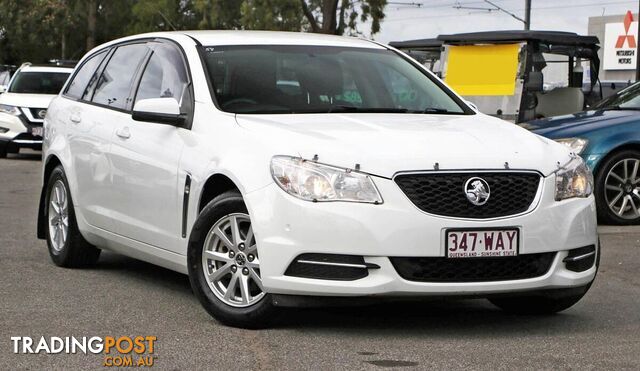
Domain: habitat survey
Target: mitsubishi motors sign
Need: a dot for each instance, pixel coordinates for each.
(620, 43)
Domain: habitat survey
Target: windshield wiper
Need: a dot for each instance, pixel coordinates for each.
(617, 108)
(350, 109)
(342, 108)
(439, 111)
(273, 111)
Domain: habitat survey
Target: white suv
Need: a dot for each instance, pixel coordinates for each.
(24, 105)
(281, 169)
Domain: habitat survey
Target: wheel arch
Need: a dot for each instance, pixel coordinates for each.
(50, 163)
(635, 146)
(215, 185)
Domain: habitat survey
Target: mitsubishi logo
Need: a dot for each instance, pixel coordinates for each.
(630, 39)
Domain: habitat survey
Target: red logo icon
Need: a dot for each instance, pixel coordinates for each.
(630, 39)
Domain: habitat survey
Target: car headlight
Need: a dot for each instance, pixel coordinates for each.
(12, 110)
(577, 145)
(573, 180)
(315, 182)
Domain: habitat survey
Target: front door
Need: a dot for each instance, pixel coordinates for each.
(145, 157)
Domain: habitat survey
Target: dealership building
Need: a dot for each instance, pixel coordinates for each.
(618, 35)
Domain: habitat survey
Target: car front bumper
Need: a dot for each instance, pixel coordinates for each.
(286, 227)
(14, 134)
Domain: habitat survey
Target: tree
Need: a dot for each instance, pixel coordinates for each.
(162, 15)
(342, 16)
(280, 15)
(218, 14)
(92, 19)
(40, 30)
(34, 30)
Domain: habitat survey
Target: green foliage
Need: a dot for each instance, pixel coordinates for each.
(40, 30)
(281, 15)
(218, 14)
(341, 17)
(19, 19)
(162, 15)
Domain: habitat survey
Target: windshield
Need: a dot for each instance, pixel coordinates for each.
(321, 79)
(38, 82)
(625, 99)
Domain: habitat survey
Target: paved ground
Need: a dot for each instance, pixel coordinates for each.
(122, 296)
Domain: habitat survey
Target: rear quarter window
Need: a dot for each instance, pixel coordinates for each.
(81, 79)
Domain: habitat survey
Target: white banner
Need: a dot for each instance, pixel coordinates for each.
(620, 45)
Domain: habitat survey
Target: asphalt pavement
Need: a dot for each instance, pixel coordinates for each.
(125, 297)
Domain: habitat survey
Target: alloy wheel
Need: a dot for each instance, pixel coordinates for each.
(58, 215)
(230, 261)
(622, 192)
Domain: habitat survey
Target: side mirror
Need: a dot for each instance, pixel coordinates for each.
(535, 81)
(158, 110)
(472, 105)
(3, 88)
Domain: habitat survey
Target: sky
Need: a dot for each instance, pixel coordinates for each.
(436, 17)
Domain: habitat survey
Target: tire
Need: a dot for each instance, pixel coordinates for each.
(67, 249)
(3, 150)
(604, 196)
(233, 308)
(544, 304)
(553, 301)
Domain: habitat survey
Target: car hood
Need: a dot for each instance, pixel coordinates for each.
(27, 100)
(384, 144)
(574, 125)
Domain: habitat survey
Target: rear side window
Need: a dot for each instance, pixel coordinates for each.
(165, 75)
(114, 86)
(81, 79)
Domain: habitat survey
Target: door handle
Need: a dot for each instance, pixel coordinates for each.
(75, 119)
(123, 133)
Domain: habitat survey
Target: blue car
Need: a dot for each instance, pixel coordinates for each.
(607, 136)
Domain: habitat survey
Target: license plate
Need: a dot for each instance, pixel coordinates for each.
(482, 243)
(37, 131)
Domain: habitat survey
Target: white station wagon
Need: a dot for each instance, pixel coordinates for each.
(287, 169)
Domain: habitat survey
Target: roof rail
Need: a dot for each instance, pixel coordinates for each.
(63, 62)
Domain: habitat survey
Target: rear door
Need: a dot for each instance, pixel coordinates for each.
(88, 140)
(145, 156)
(107, 106)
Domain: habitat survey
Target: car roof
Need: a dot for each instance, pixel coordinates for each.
(224, 37)
(46, 69)
(552, 37)
(277, 38)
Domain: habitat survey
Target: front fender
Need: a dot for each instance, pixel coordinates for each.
(42, 218)
(602, 143)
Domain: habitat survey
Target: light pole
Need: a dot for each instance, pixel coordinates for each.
(527, 14)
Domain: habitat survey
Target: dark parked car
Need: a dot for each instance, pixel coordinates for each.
(607, 136)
